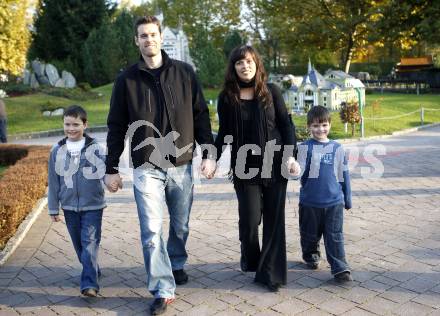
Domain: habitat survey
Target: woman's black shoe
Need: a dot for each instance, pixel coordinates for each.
(273, 287)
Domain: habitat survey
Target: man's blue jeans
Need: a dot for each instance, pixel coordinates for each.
(85, 231)
(154, 190)
(315, 222)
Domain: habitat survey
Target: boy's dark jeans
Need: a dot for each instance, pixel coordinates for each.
(85, 231)
(315, 222)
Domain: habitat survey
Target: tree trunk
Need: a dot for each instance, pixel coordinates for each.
(352, 129)
(349, 53)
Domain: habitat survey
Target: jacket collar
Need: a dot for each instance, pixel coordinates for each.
(89, 140)
(167, 61)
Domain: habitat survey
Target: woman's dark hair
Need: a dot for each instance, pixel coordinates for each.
(231, 87)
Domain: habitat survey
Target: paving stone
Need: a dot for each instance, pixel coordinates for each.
(291, 307)
(431, 299)
(336, 306)
(358, 295)
(379, 305)
(399, 295)
(412, 308)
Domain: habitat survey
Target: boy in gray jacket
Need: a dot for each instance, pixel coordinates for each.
(76, 167)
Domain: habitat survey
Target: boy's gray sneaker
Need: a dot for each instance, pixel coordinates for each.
(343, 277)
(90, 292)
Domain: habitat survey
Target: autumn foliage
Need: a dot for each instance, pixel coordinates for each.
(21, 186)
(14, 35)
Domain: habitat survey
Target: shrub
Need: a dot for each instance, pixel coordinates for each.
(15, 89)
(10, 154)
(50, 106)
(301, 133)
(349, 113)
(21, 186)
(73, 94)
(84, 86)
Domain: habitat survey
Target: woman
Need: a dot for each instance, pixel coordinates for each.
(254, 113)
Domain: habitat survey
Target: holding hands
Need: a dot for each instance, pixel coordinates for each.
(293, 167)
(208, 167)
(113, 182)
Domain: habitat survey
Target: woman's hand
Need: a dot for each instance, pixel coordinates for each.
(293, 167)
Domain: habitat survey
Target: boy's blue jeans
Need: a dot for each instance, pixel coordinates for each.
(315, 222)
(85, 231)
(154, 190)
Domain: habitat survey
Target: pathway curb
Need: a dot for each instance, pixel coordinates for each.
(22, 230)
(53, 132)
(396, 133)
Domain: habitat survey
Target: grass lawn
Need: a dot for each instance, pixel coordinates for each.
(2, 169)
(24, 112)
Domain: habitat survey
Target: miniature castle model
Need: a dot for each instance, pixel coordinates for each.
(175, 43)
(329, 90)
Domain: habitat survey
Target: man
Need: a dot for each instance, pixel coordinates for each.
(159, 104)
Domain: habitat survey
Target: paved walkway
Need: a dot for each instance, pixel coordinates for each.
(392, 243)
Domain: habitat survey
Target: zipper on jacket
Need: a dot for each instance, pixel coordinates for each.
(149, 100)
(172, 97)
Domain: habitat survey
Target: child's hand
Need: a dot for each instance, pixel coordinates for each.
(55, 218)
(113, 182)
(293, 167)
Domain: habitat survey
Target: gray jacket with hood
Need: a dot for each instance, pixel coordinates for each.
(76, 185)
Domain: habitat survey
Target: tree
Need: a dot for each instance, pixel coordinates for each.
(62, 26)
(350, 30)
(14, 36)
(101, 64)
(232, 40)
(266, 29)
(216, 17)
(410, 22)
(342, 26)
(209, 61)
(349, 113)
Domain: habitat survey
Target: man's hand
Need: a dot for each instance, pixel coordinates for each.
(55, 218)
(293, 167)
(113, 182)
(208, 168)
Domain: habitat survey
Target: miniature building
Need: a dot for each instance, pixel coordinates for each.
(175, 43)
(414, 64)
(329, 90)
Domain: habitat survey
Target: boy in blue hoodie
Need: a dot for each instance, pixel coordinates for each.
(325, 192)
(76, 167)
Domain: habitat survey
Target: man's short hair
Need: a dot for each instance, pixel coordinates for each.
(147, 19)
(76, 111)
(318, 114)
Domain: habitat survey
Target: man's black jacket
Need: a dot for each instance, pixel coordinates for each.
(133, 101)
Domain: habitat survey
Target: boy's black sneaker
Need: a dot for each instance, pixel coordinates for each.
(159, 305)
(180, 277)
(312, 265)
(343, 277)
